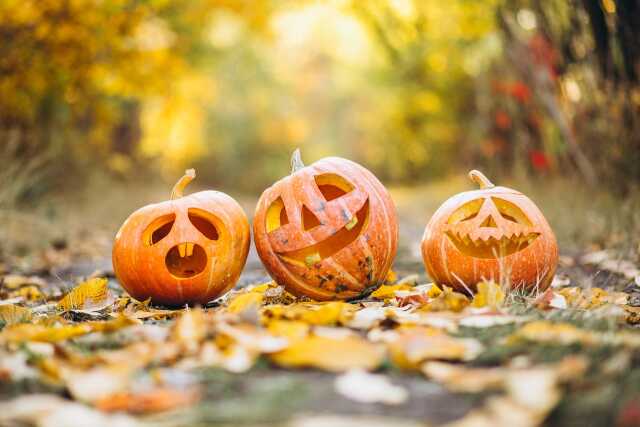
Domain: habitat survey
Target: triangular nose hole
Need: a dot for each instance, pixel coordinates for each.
(489, 222)
(309, 219)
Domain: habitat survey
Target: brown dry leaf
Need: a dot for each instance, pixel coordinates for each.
(410, 347)
(331, 354)
(489, 295)
(90, 295)
(10, 314)
(151, 401)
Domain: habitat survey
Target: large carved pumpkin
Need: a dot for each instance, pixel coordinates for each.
(328, 230)
(494, 233)
(186, 250)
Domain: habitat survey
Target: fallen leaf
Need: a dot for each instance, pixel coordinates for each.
(331, 354)
(361, 386)
(245, 301)
(48, 410)
(12, 314)
(413, 346)
(151, 401)
(489, 295)
(90, 295)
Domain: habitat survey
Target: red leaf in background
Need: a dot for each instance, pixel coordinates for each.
(520, 91)
(544, 54)
(539, 160)
(503, 121)
(629, 414)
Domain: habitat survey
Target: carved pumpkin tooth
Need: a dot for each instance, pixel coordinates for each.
(351, 223)
(189, 249)
(182, 249)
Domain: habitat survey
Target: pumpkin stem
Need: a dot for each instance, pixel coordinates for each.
(479, 178)
(177, 190)
(296, 161)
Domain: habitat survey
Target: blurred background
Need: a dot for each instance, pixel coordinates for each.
(104, 103)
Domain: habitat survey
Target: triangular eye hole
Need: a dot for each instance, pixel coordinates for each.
(332, 186)
(309, 219)
(276, 215)
(466, 212)
(158, 229)
(511, 212)
(204, 222)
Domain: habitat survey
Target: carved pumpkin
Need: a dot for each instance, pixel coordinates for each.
(186, 250)
(494, 233)
(328, 230)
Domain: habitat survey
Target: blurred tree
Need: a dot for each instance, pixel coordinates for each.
(580, 62)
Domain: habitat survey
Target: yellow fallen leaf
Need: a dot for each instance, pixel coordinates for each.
(331, 354)
(434, 291)
(29, 332)
(29, 293)
(446, 300)
(391, 277)
(88, 295)
(11, 314)
(292, 330)
(415, 345)
(329, 313)
(489, 295)
(386, 292)
(561, 333)
(245, 301)
(44, 333)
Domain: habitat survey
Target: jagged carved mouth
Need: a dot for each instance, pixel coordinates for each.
(331, 245)
(492, 247)
(186, 260)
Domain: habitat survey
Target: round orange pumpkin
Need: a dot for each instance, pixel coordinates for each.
(328, 230)
(186, 250)
(494, 233)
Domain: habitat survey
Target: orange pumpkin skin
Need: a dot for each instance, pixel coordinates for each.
(194, 260)
(494, 233)
(327, 231)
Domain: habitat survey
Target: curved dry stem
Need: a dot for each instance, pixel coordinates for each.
(178, 189)
(296, 161)
(479, 178)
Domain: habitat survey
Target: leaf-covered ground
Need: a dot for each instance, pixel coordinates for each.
(76, 350)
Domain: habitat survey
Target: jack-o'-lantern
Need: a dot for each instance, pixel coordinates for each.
(328, 230)
(494, 233)
(187, 250)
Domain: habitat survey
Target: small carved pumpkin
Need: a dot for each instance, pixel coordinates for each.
(328, 230)
(494, 233)
(186, 250)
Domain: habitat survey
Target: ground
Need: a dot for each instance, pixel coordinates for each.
(568, 357)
